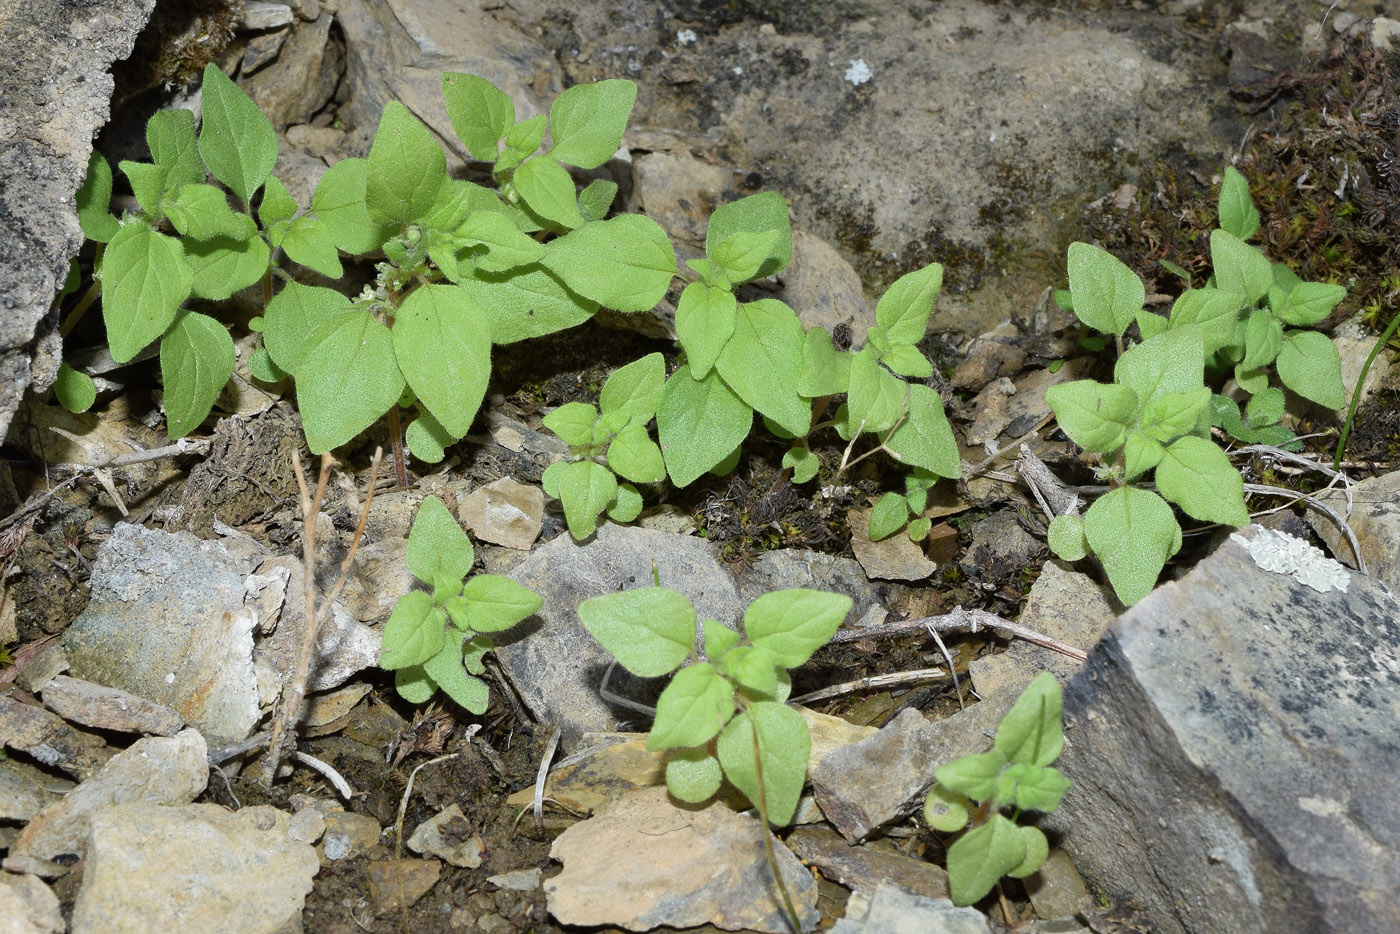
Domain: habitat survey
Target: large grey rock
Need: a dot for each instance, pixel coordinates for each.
(194, 868)
(554, 663)
(167, 623)
(891, 910)
(54, 93)
(1232, 743)
(786, 568)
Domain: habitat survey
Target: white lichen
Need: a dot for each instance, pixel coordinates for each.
(859, 72)
(1281, 553)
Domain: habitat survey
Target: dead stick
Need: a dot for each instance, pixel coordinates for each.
(959, 620)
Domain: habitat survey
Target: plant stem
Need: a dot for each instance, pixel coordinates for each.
(1360, 382)
(762, 803)
(396, 443)
(93, 290)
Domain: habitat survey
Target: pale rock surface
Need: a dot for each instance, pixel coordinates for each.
(193, 868)
(1375, 520)
(865, 867)
(893, 558)
(105, 708)
(447, 836)
(824, 289)
(344, 645)
(28, 906)
(398, 883)
(504, 512)
(891, 910)
(50, 739)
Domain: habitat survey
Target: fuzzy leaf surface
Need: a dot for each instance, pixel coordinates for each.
(236, 141)
(291, 317)
(792, 624)
(692, 709)
(443, 348)
(196, 358)
(783, 747)
(1030, 732)
(650, 631)
(1198, 476)
(980, 857)
(480, 112)
(347, 378)
(755, 214)
(407, 169)
(1133, 532)
(587, 121)
(624, 263)
(763, 360)
(145, 277)
(437, 546)
(1310, 365)
(339, 200)
(1095, 415)
(1107, 295)
(699, 423)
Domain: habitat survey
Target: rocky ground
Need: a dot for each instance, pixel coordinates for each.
(1228, 736)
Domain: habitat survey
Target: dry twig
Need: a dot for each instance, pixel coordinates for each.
(960, 620)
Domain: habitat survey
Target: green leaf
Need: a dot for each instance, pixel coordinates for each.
(585, 489)
(506, 247)
(1173, 361)
(196, 358)
(1133, 532)
(650, 631)
(626, 505)
(876, 397)
(474, 653)
(222, 267)
(549, 191)
(625, 263)
(803, 463)
(754, 214)
(904, 309)
(1030, 732)
(445, 668)
(1216, 312)
(480, 112)
(1173, 414)
(443, 347)
(426, 439)
(634, 456)
(719, 639)
(339, 200)
(1150, 324)
(236, 141)
(1239, 267)
(980, 857)
(1310, 302)
(202, 212)
(596, 199)
(92, 199)
(527, 303)
(925, 439)
(170, 137)
(148, 184)
(1037, 851)
(741, 254)
(1066, 538)
(792, 624)
(891, 513)
(407, 169)
(277, 203)
(587, 121)
(907, 361)
(346, 379)
(145, 277)
(1309, 365)
(1236, 209)
(1252, 381)
(635, 389)
(1265, 408)
(761, 363)
(1263, 339)
(1141, 452)
(293, 314)
(414, 685)
(437, 546)
(693, 709)
(1095, 415)
(693, 775)
(75, 390)
(1041, 788)
(495, 602)
(974, 776)
(946, 810)
(705, 317)
(310, 241)
(826, 371)
(1198, 476)
(521, 140)
(1107, 295)
(753, 667)
(699, 423)
(573, 422)
(783, 747)
(414, 632)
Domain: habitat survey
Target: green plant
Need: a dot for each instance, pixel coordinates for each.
(1017, 774)
(420, 647)
(465, 266)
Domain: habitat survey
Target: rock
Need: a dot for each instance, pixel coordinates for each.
(153, 771)
(786, 568)
(989, 356)
(675, 866)
(893, 558)
(378, 578)
(106, 708)
(504, 513)
(1057, 889)
(517, 880)
(866, 867)
(1374, 519)
(193, 868)
(50, 662)
(258, 15)
(395, 884)
(448, 836)
(891, 910)
(302, 79)
(680, 193)
(319, 713)
(991, 410)
(1353, 347)
(348, 835)
(166, 622)
(1003, 536)
(50, 740)
(25, 790)
(558, 672)
(1027, 407)
(28, 906)
(824, 289)
(1215, 783)
(344, 645)
(54, 93)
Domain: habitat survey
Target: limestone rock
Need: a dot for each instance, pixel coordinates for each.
(504, 513)
(398, 883)
(865, 867)
(50, 740)
(892, 558)
(824, 289)
(107, 708)
(891, 910)
(448, 836)
(1375, 519)
(28, 906)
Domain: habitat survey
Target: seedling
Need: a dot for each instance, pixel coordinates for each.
(437, 638)
(1015, 774)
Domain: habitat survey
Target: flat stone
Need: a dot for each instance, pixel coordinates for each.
(1233, 753)
(504, 513)
(50, 740)
(322, 710)
(395, 884)
(26, 790)
(155, 771)
(193, 868)
(893, 558)
(824, 288)
(107, 708)
(786, 568)
(28, 906)
(50, 662)
(303, 77)
(680, 193)
(348, 835)
(865, 867)
(891, 910)
(166, 622)
(675, 866)
(1375, 520)
(448, 836)
(1056, 889)
(554, 663)
(258, 15)
(344, 645)
(517, 880)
